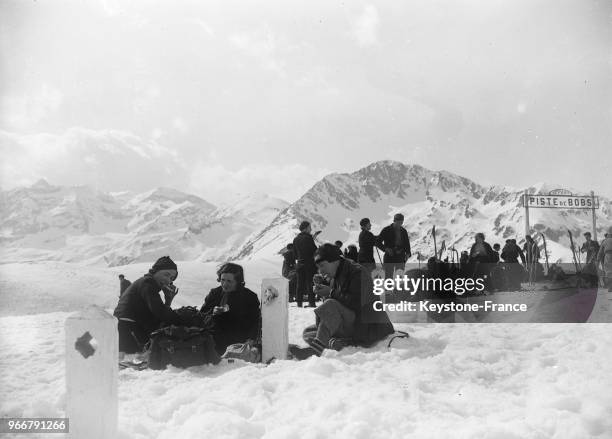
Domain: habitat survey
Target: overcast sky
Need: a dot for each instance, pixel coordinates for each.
(241, 96)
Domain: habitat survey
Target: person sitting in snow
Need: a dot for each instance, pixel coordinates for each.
(234, 309)
(140, 309)
(346, 316)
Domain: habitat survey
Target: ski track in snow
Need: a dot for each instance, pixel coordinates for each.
(491, 381)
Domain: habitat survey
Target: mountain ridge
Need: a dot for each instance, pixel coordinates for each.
(83, 224)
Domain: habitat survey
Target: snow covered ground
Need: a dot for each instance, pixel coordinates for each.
(448, 380)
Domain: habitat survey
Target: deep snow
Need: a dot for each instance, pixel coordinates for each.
(461, 380)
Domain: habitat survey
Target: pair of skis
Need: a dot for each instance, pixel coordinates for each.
(576, 259)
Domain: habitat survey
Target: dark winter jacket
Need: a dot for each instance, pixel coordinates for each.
(241, 323)
(511, 252)
(591, 248)
(370, 325)
(123, 285)
(304, 247)
(386, 240)
(288, 270)
(488, 257)
(367, 241)
(351, 253)
(142, 303)
(531, 251)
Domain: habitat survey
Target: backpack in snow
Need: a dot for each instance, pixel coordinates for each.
(181, 346)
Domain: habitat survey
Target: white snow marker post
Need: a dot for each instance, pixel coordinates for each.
(274, 319)
(92, 349)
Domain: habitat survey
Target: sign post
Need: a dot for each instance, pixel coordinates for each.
(526, 204)
(594, 220)
(561, 199)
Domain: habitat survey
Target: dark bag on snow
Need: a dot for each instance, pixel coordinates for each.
(190, 316)
(181, 346)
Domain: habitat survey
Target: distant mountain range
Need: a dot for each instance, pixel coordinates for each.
(80, 224)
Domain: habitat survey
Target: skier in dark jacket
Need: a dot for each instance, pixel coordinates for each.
(140, 309)
(531, 250)
(367, 241)
(394, 240)
(532, 256)
(589, 271)
(351, 252)
(123, 284)
(482, 257)
(513, 271)
(236, 316)
(346, 316)
(289, 270)
(304, 247)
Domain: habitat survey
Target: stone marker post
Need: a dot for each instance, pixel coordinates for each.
(275, 319)
(91, 374)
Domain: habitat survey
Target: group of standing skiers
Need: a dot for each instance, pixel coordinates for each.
(299, 267)
(504, 268)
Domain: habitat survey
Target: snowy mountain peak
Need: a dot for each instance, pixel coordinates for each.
(165, 194)
(458, 206)
(41, 186)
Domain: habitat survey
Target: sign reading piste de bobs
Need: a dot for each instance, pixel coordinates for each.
(561, 199)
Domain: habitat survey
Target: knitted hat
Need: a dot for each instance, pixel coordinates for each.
(163, 263)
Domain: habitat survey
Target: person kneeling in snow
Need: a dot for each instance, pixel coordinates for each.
(346, 316)
(140, 309)
(236, 316)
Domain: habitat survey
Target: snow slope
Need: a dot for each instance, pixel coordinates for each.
(486, 381)
(468, 381)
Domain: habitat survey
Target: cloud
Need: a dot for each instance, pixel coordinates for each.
(147, 95)
(112, 8)
(202, 25)
(263, 46)
(219, 184)
(22, 111)
(180, 125)
(365, 27)
(106, 159)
